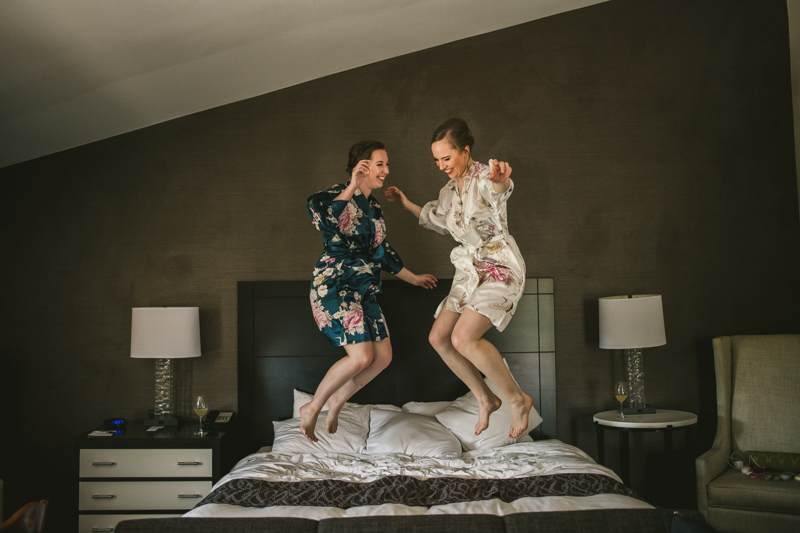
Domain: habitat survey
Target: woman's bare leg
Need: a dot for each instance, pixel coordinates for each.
(440, 339)
(359, 357)
(468, 340)
(382, 356)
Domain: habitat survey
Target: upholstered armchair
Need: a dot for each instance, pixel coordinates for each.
(758, 409)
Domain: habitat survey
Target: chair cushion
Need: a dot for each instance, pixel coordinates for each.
(737, 490)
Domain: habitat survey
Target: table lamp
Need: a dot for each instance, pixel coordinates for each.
(632, 322)
(164, 334)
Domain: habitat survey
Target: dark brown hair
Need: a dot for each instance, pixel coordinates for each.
(456, 132)
(361, 150)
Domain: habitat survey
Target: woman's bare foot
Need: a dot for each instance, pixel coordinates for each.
(332, 420)
(308, 421)
(485, 409)
(519, 416)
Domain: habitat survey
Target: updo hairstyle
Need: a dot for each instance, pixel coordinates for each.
(456, 132)
(361, 150)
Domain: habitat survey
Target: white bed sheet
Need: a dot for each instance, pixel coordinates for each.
(506, 462)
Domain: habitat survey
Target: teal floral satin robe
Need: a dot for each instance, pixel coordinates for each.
(347, 277)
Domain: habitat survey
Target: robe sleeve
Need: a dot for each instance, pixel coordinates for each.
(324, 211)
(496, 200)
(390, 262)
(434, 218)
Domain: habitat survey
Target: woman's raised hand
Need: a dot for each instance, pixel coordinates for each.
(425, 280)
(360, 172)
(393, 194)
(499, 172)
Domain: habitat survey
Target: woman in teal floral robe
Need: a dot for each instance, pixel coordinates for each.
(348, 274)
(347, 279)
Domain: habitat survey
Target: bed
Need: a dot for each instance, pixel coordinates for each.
(404, 458)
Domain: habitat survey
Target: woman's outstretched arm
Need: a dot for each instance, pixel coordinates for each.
(393, 194)
(421, 280)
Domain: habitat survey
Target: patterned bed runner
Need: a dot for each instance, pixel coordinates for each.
(408, 490)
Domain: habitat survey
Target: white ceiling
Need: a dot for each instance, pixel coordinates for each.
(77, 71)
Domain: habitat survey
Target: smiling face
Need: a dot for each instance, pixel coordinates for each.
(378, 169)
(449, 159)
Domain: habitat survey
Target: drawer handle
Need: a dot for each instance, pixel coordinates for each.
(104, 463)
(190, 495)
(189, 463)
(102, 529)
(103, 496)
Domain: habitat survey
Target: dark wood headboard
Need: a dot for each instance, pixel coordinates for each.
(280, 349)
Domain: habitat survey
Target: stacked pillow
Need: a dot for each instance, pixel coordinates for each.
(351, 437)
(411, 434)
(460, 417)
(426, 408)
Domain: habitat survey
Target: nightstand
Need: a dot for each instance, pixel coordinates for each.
(662, 420)
(144, 474)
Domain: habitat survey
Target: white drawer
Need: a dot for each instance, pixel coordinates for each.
(144, 495)
(106, 523)
(146, 463)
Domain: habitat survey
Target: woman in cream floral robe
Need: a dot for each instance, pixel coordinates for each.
(490, 272)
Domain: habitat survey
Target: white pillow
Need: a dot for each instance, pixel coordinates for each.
(351, 437)
(301, 398)
(462, 415)
(525, 437)
(393, 432)
(425, 408)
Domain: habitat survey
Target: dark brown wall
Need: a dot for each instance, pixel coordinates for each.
(652, 147)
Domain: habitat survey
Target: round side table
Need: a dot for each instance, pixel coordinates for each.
(663, 420)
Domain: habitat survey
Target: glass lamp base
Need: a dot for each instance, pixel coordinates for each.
(164, 420)
(634, 363)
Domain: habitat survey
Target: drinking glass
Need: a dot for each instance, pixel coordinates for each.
(200, 409)
(621, 393)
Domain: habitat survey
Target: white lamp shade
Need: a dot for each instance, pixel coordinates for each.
(635, 322)
(165, 332)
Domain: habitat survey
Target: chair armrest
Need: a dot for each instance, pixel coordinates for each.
(713, 463)
(708, 467)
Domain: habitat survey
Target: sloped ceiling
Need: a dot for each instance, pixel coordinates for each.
(77, 71)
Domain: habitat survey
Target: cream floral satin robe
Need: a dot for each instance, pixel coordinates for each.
(490, 271)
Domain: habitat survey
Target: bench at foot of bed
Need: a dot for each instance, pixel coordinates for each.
(603, 521)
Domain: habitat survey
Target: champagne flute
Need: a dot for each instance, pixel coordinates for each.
(200, 409)
(621, 393)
